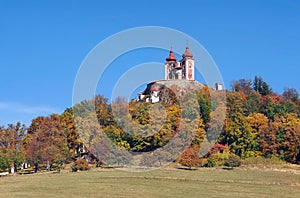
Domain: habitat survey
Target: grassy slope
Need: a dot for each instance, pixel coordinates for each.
(159, 183)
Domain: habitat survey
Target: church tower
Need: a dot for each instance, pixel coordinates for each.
(172, 68)
(187, 64)
(184, 69)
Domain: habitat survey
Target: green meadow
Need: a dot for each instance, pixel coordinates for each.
(204, 182)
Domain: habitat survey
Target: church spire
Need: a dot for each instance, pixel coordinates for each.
(171, 56)
(187, 52)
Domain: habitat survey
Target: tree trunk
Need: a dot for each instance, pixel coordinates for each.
(36, 167)
(48, 165)
(12, 168)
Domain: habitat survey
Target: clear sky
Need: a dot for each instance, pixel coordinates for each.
(42, 43)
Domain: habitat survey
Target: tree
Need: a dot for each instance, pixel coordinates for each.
(10, 145)
(290, 136)
(46, 142)
(234, 122)
(282, 138)
(103, 110)
(189, 158)
(69, 129)
(268, 141)
(253, 102)
(243, 85)
(292, 143)
(261, 86)
(256, 123)
(204, 102)
(270, 105)
(291, 94)
(81, 165)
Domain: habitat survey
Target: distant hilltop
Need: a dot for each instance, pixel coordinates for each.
(178, 75)
(162, 90)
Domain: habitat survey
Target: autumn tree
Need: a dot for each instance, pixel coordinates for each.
(10, 145)
(234, 122)
(243, 85)
(46, 142)
(268, 141)
(254, 124)
(189, 158)
(69, 129)
(270, 105)
(253, 103)
(103, 110)
(289, 138)
(291, 94)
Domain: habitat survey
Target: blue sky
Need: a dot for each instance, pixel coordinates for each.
(42, 44)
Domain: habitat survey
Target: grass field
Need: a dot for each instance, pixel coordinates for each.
(240, 182)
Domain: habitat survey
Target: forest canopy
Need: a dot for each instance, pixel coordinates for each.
(258, 123)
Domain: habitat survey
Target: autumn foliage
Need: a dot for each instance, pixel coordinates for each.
(189, 158)
(258, 123)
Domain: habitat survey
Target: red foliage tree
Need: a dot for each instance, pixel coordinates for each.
(46, 142)
(189, 158)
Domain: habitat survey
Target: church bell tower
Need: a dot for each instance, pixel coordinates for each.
(184, 69)
(187, 63)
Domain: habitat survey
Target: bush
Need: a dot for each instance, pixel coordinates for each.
(217, 159)
(218, 148)
(250, 154)
(233, 161)
(80, 164)
(202, 162)
(211, 162)
(189, 158)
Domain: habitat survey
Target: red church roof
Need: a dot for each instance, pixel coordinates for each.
(153, 89)
(187, 52)
(171, 57)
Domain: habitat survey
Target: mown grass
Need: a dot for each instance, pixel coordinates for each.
(240, 182)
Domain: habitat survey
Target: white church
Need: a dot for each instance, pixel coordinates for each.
(180, 72)
(184, 69)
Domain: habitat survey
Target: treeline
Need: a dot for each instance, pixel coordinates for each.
(47, 141)
(258, 123)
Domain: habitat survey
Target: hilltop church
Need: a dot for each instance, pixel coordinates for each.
(184, 69)
(180, 73)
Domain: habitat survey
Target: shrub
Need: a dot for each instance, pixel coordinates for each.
(202, 162)
(251, 154)
(80, 164)
(189, 158)
(211, 162)
(232, 161)
(217, 159)
(218, 148)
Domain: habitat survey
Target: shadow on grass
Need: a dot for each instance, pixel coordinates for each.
(187, 168)
(228, 168)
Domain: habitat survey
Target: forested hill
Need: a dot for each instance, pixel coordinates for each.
(258, 123)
